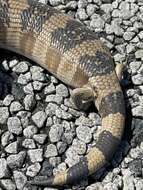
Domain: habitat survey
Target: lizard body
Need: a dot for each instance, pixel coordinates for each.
(73, 53)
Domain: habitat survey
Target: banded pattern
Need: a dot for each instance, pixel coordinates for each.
(73, 53)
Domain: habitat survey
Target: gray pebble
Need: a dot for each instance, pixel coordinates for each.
(37, 85)
(13, 63)
(63, 114)
(72, 5)
(33, 170)
(137, 79)
(5, 65)
(82, 3)
(51, 109)
(29, 102)
(97, 22)
(29, 131)
(21, 67)
(51, 151)
(49, 122)
(72, 156)
(20, 179)
(55, 133)
(141, 35)
(28, 89)
(8, 184)
(139, 53)
(24, 78)
(128, 35)
(15, 107)
(82, 15)
(29, 143)
(6, 138)
(61, 147)
(4, 114)
(54, 98)
(82, 120)
(54, 161)
(39, 118)
(4, 172)
(36, 155)
(50, 89)
(7, 100)
(62, 90)
(37, 73)
(107, 8)
(14, 125)
(12, 148)
(79, 146)
(84, 133)
(40, 138)
(134, 66)
(25, 117)
(16, 160)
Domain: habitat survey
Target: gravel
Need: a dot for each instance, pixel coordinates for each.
(41, 133)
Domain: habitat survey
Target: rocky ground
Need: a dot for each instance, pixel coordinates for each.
(41, 133)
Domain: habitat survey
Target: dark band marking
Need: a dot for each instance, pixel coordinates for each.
(74, 33)
(42, 181)
(112, 104)
(35, 16)
(100, 64)
(107, 144)
(78, 172)
(4, 13)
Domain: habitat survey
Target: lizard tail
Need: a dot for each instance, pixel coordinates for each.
(112, 113)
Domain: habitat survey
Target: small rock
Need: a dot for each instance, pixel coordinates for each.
(4, 172)
(82, 14)
(4, 114)
(28, 89)
(24, 78)
(139, 54)
(8, 184)
(37, 73)
(84, 133)
(55, 133)
(51, 151)
(39, 118)
(14, 125)
(60, 113)
(137, 79)
(128, 35)
(79, 146)
(7, 100)
(35, 155)
(54, 98)
(30, 131)
(51, 109)
(12, 148)
(62, 90)
(21, 67)
(49, 89)
(20, 179)
(29, 143)
(6, 138)
(33, 170)
(29, 102)
(16, 160)
(15, 107)
(40, 138)
(72, 157)
(38, 85)
(61, 147)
